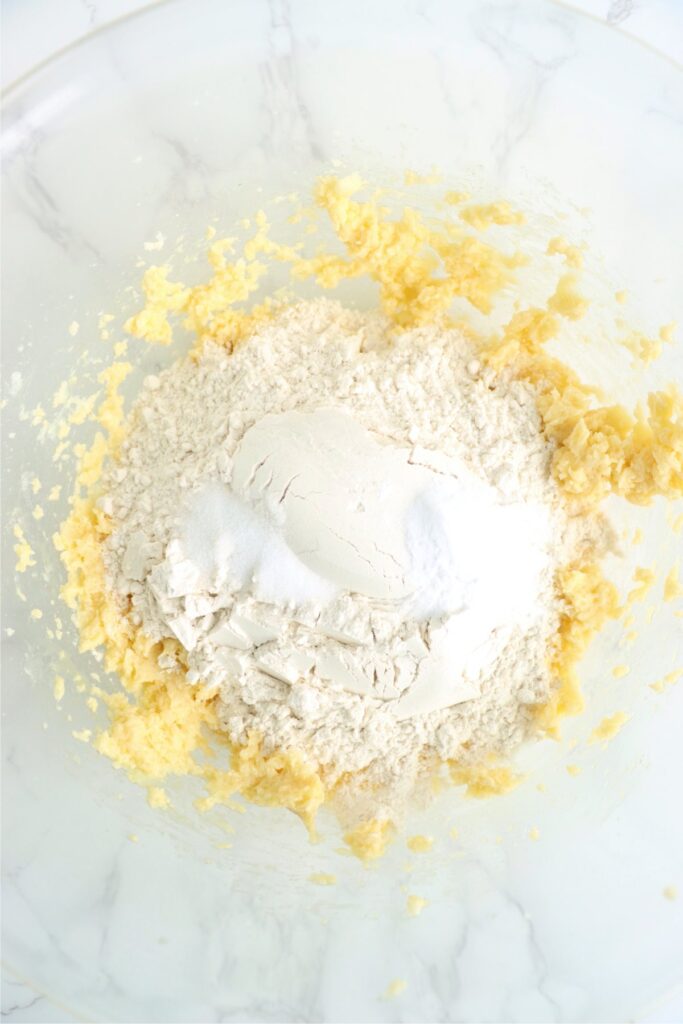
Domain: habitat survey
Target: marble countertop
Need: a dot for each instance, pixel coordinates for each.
(117, 875)
(33, 30)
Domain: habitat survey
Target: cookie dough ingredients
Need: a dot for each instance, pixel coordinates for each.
(231, 548)
(23, 551)
(352, 538)
(324, 523)
(415, 905)
(608, 728)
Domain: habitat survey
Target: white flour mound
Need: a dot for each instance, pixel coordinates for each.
(354, 539)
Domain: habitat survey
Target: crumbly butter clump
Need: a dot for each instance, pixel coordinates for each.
(23, 551)
(158, 722)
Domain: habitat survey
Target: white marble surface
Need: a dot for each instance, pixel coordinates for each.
(572, 927)
(36, 29)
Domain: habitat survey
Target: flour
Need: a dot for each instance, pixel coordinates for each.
(354, 540)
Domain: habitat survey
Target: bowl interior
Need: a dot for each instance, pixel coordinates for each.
(197, 113)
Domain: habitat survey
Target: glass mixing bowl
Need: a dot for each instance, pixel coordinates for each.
(192, 112)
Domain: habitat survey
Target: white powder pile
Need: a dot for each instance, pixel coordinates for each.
(354, 539)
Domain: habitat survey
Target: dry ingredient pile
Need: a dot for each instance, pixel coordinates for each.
(353, 537)
(358, 549)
